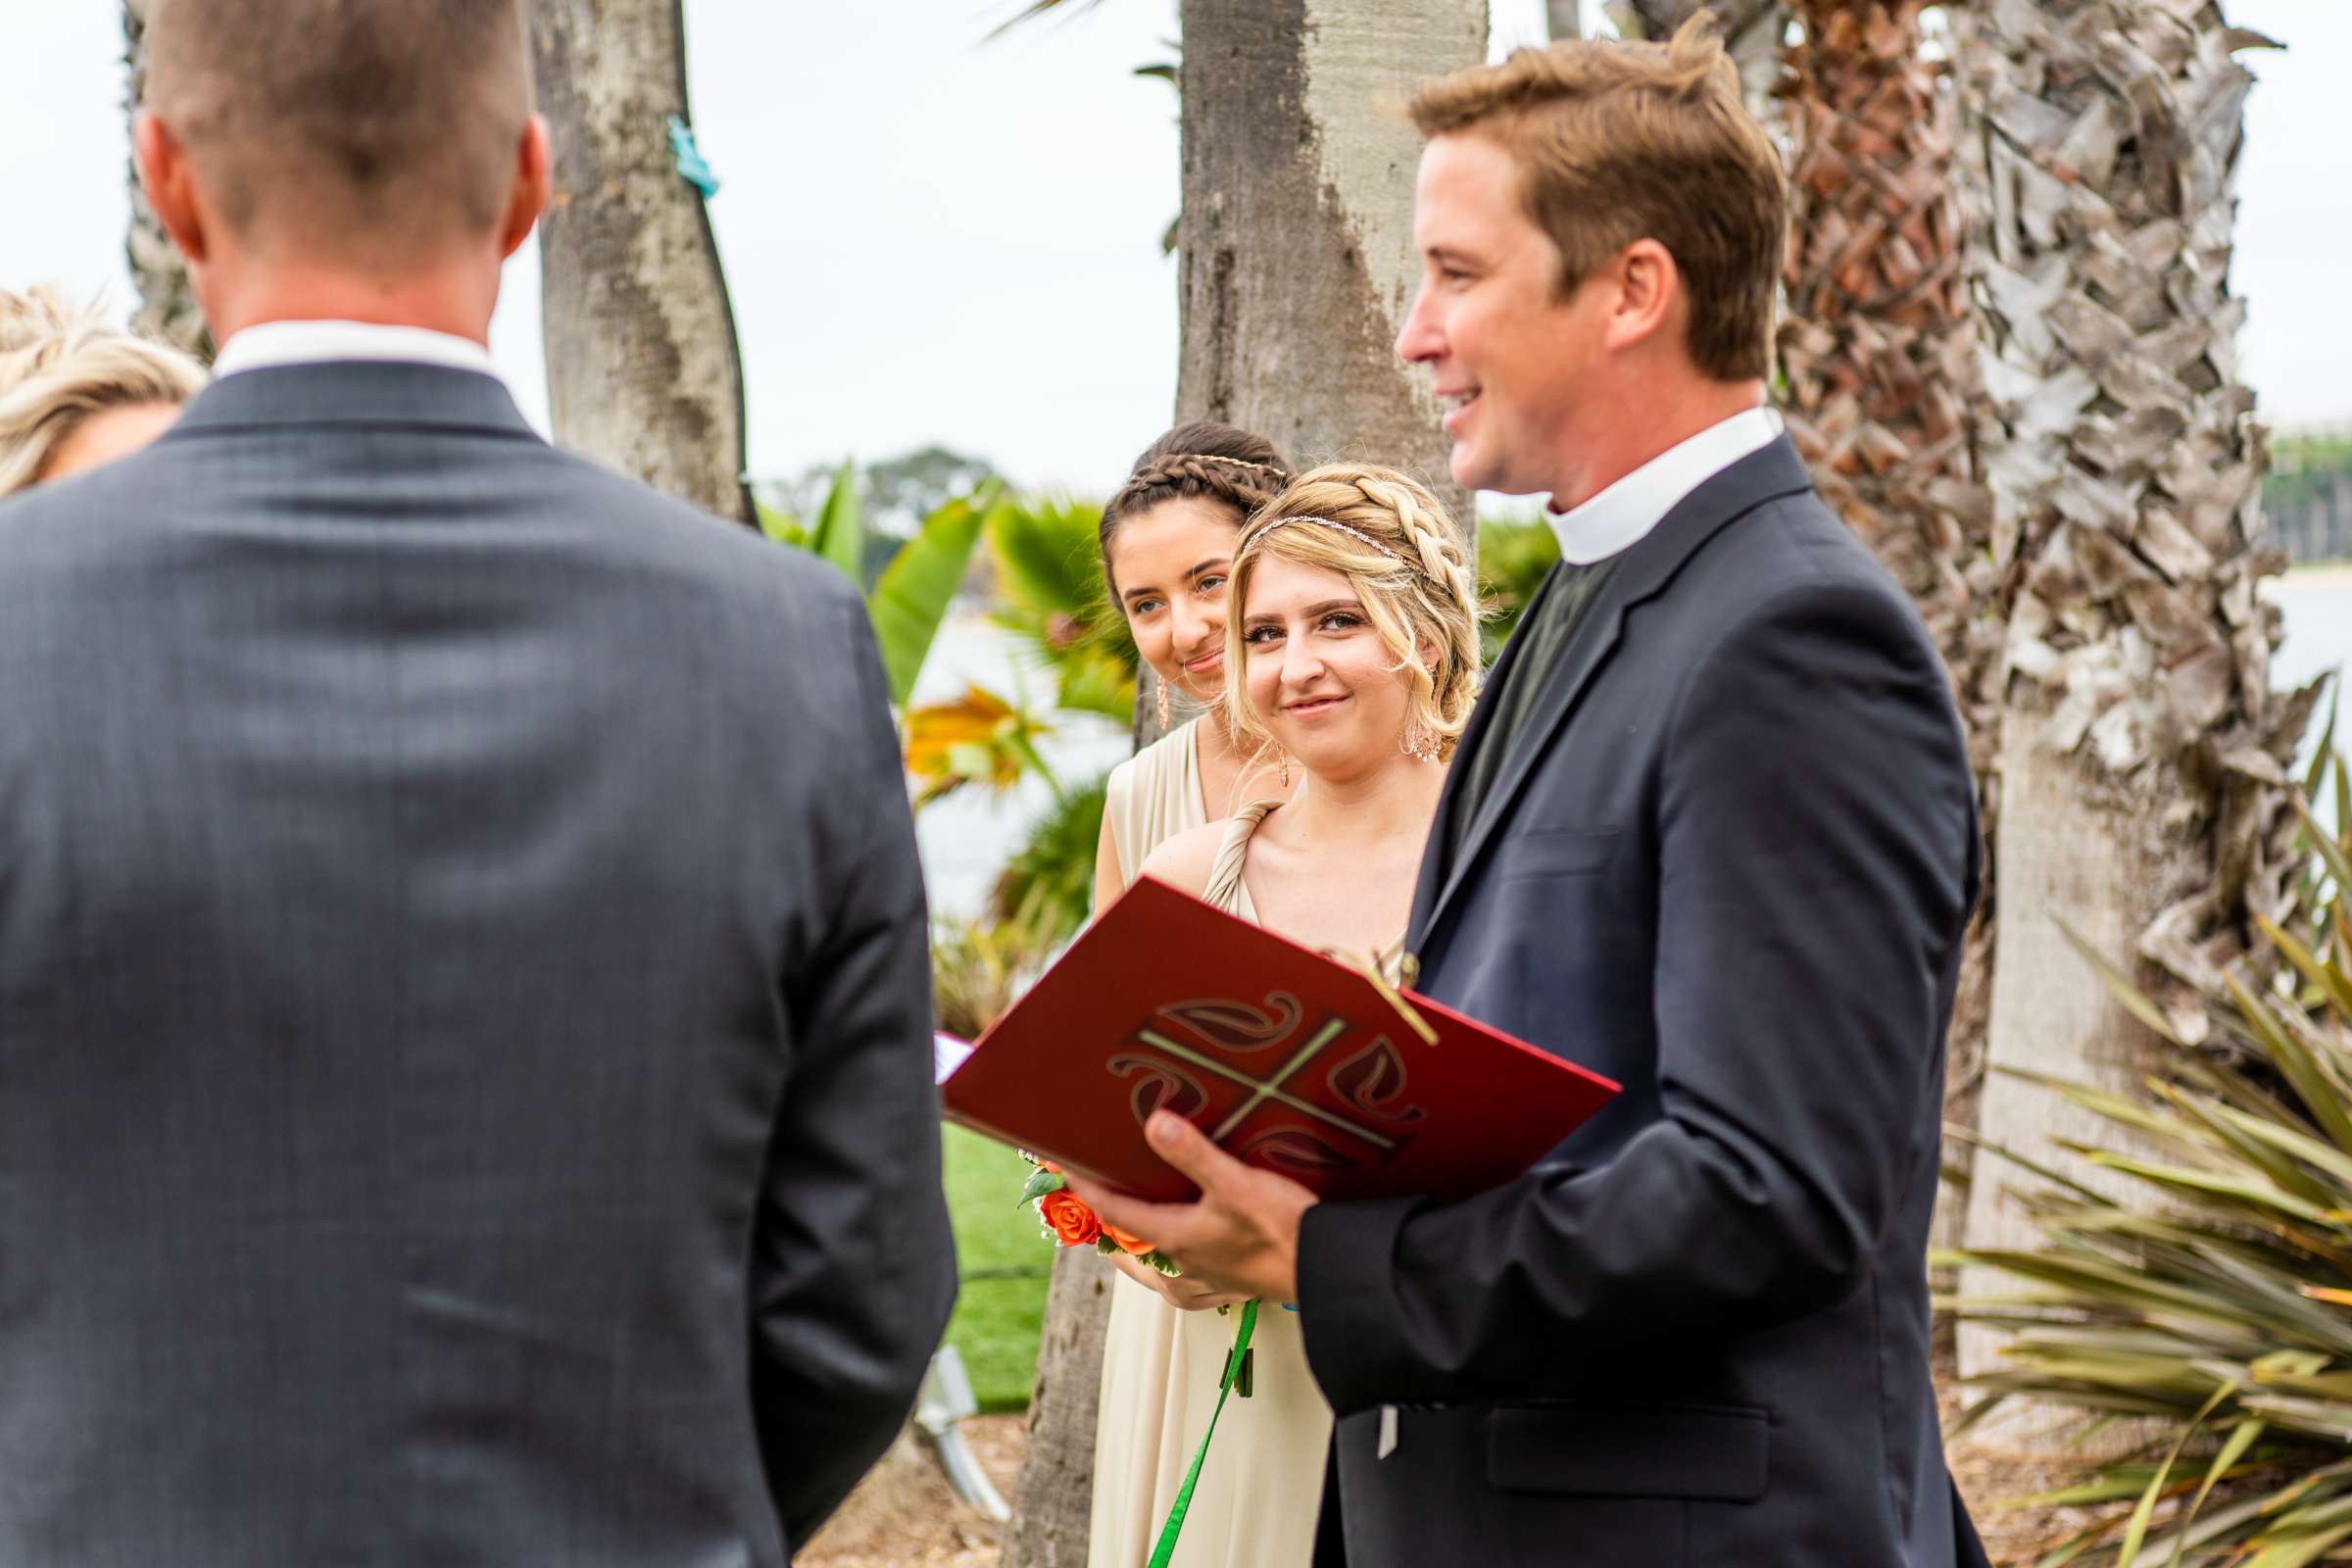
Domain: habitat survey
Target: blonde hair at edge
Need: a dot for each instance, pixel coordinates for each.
(59, 365)
(1413, 579)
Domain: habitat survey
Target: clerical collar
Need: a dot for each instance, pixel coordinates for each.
(269, 344)
(1622, 516)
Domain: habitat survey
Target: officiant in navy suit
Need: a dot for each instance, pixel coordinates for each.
(1711, 833)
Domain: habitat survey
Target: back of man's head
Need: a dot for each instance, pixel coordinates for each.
(1616, 142)
(369, 132)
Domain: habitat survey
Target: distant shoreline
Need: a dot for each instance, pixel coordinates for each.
(2321, 578)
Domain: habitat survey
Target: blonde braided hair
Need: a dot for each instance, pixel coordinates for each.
(1410, 567)
(59, 365)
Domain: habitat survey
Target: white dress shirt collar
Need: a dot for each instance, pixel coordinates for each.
(1622, 515)
(269, 344)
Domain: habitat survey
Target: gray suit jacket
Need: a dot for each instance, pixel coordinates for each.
(464, 1086)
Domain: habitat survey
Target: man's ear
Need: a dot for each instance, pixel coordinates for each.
(164, 171)
(535, 179)
(1649, 290)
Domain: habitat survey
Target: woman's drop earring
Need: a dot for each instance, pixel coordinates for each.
(1421, 739)
(1286, 770)
(1165, 714)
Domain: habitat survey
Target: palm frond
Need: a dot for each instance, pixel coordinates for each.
(1039, 8)
(1048, 888)
(1049, 567)
(2218, 1305)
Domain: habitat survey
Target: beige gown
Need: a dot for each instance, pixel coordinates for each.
(1258, 1493)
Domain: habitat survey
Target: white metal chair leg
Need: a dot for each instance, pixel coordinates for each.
(946, 1398)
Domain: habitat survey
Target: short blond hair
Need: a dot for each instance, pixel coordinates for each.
(1406, 560)
(1616, 142)
(59, 365)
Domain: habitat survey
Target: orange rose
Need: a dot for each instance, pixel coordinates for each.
(1065, 1213)
(1128, 1241)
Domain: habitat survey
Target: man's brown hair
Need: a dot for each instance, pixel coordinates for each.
(375, 129)
(1616, 142)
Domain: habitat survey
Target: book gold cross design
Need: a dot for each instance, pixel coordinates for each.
(1285, 1057)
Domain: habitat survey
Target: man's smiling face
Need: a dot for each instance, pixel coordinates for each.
(1511, 360)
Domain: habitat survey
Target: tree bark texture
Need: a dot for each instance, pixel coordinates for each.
(1297, 268)
(643, 368)
(1053, 1502)
(168, 309)
(2141, 750)
(1877, 352)
(1297, 263)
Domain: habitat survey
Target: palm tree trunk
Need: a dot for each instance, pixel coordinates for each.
(643, 368)
(2140, 747)
(1297, 268)
(168, 308)
(1877, 352)
(1296, 239)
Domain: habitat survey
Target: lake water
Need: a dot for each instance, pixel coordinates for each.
(968, 837)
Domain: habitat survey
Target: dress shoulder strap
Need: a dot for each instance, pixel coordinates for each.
(1224, 889)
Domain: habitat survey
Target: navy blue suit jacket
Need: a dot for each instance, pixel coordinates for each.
(1728, 862)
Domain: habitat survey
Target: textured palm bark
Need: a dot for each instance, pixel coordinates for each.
(2142, 749)
(1297, 262)
(168, 309)
(643, 368)
(1881, 393)
(1053, 1502)
(1297, 266)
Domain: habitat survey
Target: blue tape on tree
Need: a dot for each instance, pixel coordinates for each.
(693, 168)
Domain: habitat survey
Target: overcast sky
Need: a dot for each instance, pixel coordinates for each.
(930, 237)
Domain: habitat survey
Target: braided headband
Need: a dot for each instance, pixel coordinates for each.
(1239, 463)
(1357, 534)
(1155, 475)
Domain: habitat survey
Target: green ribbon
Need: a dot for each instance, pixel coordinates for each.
(1184, 1493)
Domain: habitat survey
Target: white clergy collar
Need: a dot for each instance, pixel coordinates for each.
(1622, 516)
(269, 344)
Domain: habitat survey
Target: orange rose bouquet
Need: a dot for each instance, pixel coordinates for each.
(1067, 1221)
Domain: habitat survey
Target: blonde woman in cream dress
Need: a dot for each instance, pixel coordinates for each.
(1354, 652)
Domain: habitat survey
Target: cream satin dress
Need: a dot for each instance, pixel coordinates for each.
(1258, 1493)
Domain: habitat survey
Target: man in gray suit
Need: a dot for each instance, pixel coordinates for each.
(464, 1070)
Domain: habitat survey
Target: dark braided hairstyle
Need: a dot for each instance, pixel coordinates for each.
(1199, 460)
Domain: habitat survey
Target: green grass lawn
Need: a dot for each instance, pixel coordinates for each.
(1004, 1261)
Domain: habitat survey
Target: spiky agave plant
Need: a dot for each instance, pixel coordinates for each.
(2214, 1309)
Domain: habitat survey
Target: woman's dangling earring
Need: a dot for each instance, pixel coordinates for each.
(1421, 739)
(1286, 770)
(1165, 715)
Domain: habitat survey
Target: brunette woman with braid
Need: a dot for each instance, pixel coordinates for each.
(1352, 651)
(1167, 549)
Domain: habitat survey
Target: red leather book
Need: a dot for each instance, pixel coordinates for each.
(1286, 1059)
